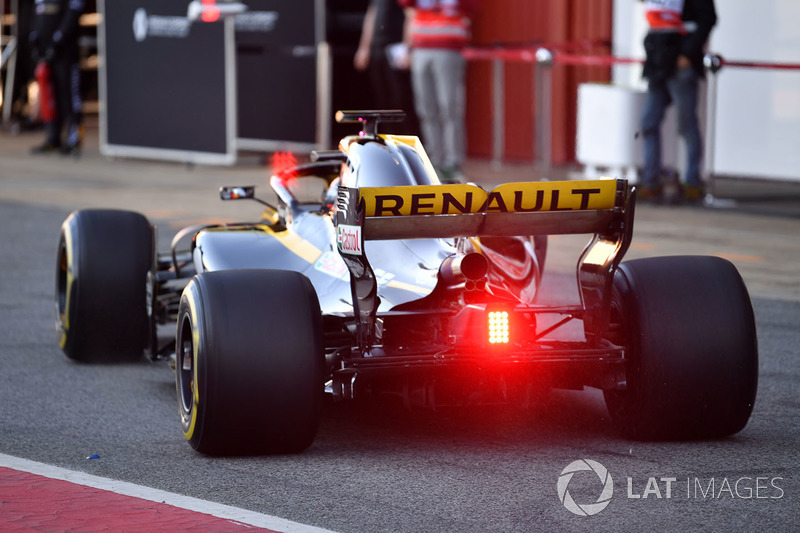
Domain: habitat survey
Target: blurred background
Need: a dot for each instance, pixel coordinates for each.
(550, 83)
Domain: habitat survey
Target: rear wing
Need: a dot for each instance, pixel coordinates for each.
(527, 208)
(601, 207)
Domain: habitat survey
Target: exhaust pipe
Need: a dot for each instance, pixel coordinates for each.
(460, 268)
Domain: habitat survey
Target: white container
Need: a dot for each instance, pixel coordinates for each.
(608, 140)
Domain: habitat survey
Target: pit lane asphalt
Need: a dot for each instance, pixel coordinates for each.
(379, 468)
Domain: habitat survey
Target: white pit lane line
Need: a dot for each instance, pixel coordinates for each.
(124, 488)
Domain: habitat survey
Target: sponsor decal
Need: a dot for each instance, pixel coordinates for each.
(331, 263)
(382, 277)
(145, 26)
(349, 239)
(426, 278)
(256, 21)
(508, 198)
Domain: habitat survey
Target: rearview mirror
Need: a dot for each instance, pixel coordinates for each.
(237, 193)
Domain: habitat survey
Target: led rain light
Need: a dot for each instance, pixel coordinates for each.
(498, 327)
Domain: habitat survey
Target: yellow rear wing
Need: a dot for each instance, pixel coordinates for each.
(525, 208)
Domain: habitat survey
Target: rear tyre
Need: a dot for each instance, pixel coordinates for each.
(690, 337)
(100, 298)
(249, 368)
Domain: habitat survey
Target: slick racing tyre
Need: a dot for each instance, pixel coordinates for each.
(249, 362)
(692, 356)
(101, 268)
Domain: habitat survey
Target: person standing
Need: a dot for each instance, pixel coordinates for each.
(436, 32)
(674, 47)
(54, 40)
(381, 37)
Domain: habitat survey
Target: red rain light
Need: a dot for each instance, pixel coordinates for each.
(498, 327)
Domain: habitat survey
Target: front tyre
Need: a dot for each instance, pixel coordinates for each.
(100, 298)
(692, 355)
(249, 368)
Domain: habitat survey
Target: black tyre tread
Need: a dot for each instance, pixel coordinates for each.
(692, 347)
(259, 361)
(108, 319)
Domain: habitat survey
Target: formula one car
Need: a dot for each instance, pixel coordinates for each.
(386, 281)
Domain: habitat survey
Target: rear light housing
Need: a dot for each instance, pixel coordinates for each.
(486, 328)
(498, 327)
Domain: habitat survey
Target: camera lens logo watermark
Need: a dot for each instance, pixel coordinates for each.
(585, 509)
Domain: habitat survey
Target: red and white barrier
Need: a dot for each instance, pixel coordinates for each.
(608, 115)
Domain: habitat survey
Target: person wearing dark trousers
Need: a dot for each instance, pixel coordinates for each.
(379, 46)
(54, 40)
(22, 118)
(674, 47)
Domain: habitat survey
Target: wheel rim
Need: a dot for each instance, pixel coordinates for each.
(61, 283)
(185, 368)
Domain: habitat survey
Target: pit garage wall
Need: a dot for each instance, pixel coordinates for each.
(167, 86)
(757, 121)
(529, 23)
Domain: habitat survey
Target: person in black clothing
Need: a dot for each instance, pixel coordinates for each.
(675, 45)
(391, 86)
(23, 69)
(54, 39)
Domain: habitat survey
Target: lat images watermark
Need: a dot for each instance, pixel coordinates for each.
(606, 482)
(697, 488)
(595, 487)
